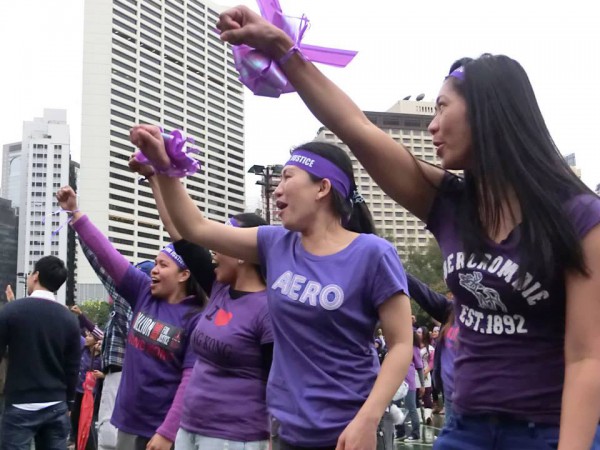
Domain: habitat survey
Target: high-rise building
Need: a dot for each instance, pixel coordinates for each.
(42, 158)
(158, 63)
(572, 162)
(406, 122)
(9, 236)
(11, 173)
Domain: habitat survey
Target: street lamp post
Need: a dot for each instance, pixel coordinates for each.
(267, 173)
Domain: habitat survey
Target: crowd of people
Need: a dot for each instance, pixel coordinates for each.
(241, 335)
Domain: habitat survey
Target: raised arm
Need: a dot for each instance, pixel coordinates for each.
(187, 218)
(108, 256)
(410, 182)
(434, 304)
(197, 258)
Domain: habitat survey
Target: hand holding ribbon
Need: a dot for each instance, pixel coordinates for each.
(179, 154)
(258, 70)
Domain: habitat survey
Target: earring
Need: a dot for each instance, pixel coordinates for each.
(241, 261)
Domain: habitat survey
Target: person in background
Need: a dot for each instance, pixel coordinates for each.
(439, 307)
(90, 361)
(113, 346)
(413, 378)
(43, 340)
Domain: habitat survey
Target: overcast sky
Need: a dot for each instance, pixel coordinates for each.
(405, 48)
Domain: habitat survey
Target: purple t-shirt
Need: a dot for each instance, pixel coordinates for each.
(228, 383)
(157, 352)
(509, 334)
(324, 312)
(415, 363)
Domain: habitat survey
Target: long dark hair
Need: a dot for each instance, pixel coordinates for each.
(251, 220)
(513, 149)
(355, 216)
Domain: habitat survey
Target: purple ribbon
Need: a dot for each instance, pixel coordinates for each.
(58, 211)
(183, 164)
(261, 74)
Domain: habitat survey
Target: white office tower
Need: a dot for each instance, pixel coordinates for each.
(159, 63)
(43, 169)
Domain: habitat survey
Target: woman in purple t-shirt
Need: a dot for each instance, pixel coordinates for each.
(233, 342)
(329, 281)
(160, 358)
(518, 232)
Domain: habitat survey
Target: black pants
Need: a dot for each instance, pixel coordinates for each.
(92, 443)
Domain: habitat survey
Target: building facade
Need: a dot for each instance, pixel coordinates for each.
(9, 242)
(42, 159)
(406, 122)
(11, 173)
(157, 63)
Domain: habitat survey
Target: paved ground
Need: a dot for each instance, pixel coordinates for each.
(428, 434)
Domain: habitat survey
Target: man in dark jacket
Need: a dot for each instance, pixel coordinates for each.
(42, 337)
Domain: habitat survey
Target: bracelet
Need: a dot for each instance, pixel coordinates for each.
(285, 58)
(70, 213)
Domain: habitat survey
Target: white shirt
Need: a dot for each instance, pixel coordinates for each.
(46, 295)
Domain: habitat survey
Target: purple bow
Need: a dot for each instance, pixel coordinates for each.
(183, 164)
(261, 74)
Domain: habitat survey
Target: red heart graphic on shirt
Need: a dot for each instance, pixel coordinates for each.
(223, 318)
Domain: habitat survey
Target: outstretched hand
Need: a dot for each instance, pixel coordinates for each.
(10, 295)
(149, 140)
(67, 199)
(241, 25)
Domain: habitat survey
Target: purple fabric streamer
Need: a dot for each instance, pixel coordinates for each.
(183, 164)
(321, 168)
(458, 73)
(261, 74)
(58, 211)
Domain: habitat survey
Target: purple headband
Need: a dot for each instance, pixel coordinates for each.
(458, 73)
(169, 250)
(322, 168)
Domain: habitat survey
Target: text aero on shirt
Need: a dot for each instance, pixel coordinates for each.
(298, 287)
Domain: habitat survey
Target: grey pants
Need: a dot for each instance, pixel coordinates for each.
(126, 441)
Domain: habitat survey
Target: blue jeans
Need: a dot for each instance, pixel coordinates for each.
(49, 427)
(448, 410)
(494, 433)
(410, 404)
(190, 441)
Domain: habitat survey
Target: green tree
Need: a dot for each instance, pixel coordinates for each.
(98, 311)
(426, 265)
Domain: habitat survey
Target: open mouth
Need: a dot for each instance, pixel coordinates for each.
(154, 281)
(280, 206)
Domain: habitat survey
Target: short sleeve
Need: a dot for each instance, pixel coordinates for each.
(189, 357)
(389, 278)
(266, 237)
(135, 285)
(584, 212)
(264, 326)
